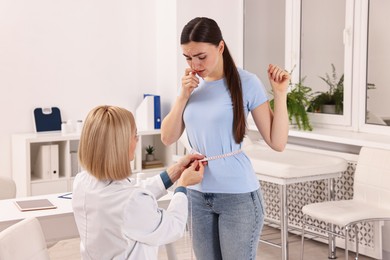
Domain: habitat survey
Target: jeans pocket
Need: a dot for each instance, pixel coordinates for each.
(259, 196)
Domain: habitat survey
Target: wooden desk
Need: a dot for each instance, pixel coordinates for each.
(58, 224)
(293, 166)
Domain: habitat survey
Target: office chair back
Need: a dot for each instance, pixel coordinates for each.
(7, 188)
(372, 177)
(23, 241)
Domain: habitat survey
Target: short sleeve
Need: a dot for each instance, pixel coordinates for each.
(253, 91)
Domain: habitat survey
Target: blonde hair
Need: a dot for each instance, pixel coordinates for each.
(104, 147)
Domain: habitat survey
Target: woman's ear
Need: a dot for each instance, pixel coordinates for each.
(221, 46)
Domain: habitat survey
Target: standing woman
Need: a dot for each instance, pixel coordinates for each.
(227, 211)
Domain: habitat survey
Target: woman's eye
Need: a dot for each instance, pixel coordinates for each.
(202, 58)
(188, 58)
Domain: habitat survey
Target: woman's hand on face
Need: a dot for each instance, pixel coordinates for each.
(192, 175)
(189, 82)
(279, 78)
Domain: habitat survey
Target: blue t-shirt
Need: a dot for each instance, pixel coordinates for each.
(208, 119)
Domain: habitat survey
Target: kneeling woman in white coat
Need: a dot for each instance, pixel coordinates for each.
(116, 218)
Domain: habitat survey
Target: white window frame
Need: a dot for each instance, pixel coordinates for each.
(360, 70)
(293, 32)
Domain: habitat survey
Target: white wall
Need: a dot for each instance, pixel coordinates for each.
(167, 45)
(74, 55)
(79, 54)
(228, 16)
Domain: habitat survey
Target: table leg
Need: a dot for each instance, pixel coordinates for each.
(284, 221)
(331, 227)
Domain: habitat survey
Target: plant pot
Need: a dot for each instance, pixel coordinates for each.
(293, 123)
(328, 109)
(149, 157)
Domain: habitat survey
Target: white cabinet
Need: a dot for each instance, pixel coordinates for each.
(62, 166)
(25, 157)
(161, 153)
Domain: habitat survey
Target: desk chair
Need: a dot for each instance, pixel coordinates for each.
(7, 188)
(371, 198)
(23, 241)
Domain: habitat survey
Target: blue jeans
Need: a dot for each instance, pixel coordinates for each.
(225, 226)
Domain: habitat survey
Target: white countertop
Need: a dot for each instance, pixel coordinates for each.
(293, 166)
(347, 137)
(344, 137)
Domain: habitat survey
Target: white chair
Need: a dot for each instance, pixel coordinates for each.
(7, 188)
(371, 198)
(23, 241)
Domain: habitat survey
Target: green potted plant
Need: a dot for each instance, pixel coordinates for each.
(298, 99)
(330, 101)
(149, 153)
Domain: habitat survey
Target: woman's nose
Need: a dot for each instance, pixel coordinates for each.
(195, 65)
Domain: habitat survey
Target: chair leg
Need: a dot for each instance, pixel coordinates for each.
(303, 235)
(346, 242)
(331, 241)
(357, 243)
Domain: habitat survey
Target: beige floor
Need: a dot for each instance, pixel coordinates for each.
(69, 249)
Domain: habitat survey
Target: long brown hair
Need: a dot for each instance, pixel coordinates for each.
(202, 29)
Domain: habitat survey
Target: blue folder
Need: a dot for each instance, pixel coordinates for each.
(157, 110)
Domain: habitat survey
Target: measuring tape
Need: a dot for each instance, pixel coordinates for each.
(216, 157)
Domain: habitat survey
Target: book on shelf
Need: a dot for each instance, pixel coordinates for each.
(152, 164)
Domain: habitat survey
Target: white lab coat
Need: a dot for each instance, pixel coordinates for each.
(121, 220)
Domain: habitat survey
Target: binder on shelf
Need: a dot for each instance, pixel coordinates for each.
(132, 163)
(75, 167)
(148, 113)
(47, 162)
(54, 161)
(156, 110)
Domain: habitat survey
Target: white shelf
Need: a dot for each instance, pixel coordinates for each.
(157, 169)
(25, 148)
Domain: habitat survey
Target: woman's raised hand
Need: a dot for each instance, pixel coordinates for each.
(188, 83)
(279, 78)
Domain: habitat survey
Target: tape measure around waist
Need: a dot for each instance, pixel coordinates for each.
(216, 157)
